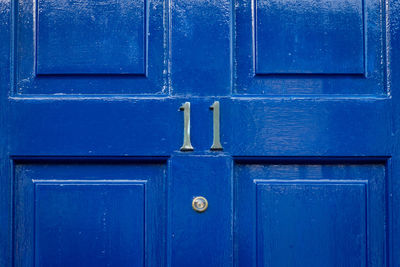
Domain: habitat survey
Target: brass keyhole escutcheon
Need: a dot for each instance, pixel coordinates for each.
(200, 204)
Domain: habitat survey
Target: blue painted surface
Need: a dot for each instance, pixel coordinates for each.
(292, 48)
(330, 217)
(117, 40)
(310, 213)
(315, 37)
(90, 130)
(200, 35)
(89, 47)
(90, 212)
(89, 223)
(201, 239)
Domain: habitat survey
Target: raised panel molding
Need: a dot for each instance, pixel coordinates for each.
(322, 210)
(69, 213)
(91, 37)
(97, 209)
(309, 37)
(89, 47)
(296, 47)
(338, 207)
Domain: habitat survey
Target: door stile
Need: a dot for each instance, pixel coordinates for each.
(6, 203)
(200, 238)
(393, 85)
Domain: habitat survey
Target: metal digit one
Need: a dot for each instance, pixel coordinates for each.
(216, 139)
(187, 146)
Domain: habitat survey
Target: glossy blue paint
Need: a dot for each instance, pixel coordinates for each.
(292, 48)
(90, 130)
(90, 212)
(328, 216)
(200, 239)
(309, 213)
(117, 37)
(98, 222)
(393, 35)
(200, 41)
(118, 47)
(309, 37)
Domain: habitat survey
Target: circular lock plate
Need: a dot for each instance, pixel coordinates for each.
(200, 204)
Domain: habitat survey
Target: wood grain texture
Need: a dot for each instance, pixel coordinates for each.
(334, 122)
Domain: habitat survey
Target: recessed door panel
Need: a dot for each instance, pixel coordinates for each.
(291, 214)
(63, 46)
(97, 37)
(289, 47)
(306, 223)
(89, 213)
(309, 37)
(98, 222)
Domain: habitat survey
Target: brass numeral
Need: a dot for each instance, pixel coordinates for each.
(216, 139)
(187, 146)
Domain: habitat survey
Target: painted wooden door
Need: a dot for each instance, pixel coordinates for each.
(94, 111)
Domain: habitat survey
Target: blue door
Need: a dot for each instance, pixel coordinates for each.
(199, 133)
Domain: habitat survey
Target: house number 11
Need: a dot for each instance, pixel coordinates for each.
(187, 146)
